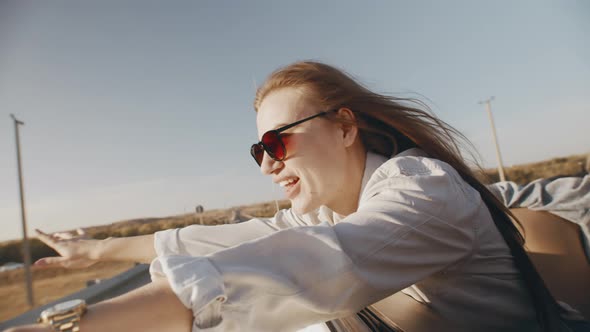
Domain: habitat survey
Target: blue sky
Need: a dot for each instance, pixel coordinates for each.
(128, 104)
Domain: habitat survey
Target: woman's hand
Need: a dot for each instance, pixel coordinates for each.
(76, 251)
(80, 251)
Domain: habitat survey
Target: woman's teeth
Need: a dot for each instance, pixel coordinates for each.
(287, 182)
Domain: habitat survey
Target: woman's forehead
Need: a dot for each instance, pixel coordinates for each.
(282, 107)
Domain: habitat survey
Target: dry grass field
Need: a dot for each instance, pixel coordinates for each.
(563, 166)
(54, 283)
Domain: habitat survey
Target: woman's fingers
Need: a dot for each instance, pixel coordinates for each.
(46, 238)
(55, 242)
(72, 248)
(51, 239)
(50, 261)
(63, 236)
(66, 262)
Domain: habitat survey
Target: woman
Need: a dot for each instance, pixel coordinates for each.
(382, 202)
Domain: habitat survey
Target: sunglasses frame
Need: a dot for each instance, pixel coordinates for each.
(277, 132)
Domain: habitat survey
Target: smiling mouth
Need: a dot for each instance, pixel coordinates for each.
(289, 186)
(288, 183)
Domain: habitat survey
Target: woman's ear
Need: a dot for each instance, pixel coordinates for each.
(349, 127)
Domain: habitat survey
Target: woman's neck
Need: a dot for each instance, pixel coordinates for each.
(347, 201)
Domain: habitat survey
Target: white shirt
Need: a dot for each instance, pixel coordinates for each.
(419, 229)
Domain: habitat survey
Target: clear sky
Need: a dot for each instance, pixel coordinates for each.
(144, 108)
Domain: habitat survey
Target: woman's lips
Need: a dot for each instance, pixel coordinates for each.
(290, 186)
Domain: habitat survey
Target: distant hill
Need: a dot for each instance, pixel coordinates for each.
(575, 165)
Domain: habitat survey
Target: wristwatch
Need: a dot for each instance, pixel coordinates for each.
(64, 316)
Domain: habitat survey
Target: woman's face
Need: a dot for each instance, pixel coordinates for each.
(315, 171)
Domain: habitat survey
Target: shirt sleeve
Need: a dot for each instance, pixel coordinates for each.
(412, 226)
(199, 240)
(567, 197)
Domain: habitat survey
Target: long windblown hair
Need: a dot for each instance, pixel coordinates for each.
(388, 125)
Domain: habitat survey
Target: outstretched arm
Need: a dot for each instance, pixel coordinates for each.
(79, 251)
(153, 307)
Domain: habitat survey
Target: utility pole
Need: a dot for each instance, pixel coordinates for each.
(488, 103)
(26, 247)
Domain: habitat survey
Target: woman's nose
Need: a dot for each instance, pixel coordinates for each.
(268, 165)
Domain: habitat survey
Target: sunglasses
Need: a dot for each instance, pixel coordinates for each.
(272, 142)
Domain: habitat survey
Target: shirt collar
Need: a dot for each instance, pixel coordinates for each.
(372, 163)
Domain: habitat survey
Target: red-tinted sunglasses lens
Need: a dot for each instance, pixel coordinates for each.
(257, 152)
(273, 145)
